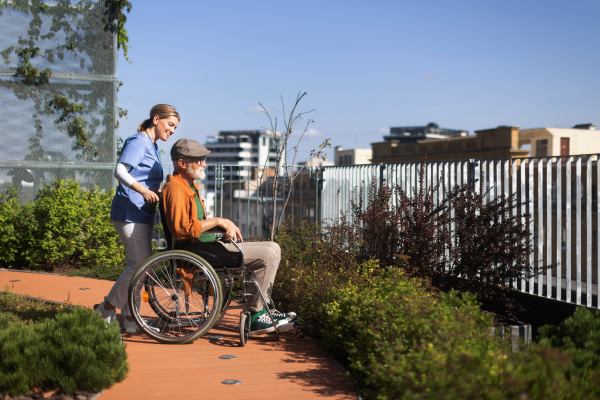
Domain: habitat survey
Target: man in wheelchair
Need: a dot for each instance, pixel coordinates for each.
(187, 222)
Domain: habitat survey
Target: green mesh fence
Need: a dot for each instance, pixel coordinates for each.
(77, 43)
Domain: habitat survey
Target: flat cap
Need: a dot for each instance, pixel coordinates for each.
(187, 148)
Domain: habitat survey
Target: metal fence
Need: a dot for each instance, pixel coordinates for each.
(77, 42)
(244, 194)
(560, 193)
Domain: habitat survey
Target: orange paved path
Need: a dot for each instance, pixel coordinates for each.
(269, 366)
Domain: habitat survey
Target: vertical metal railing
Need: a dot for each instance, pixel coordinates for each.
(244, 194)
(559, 193)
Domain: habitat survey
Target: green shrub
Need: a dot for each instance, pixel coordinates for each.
(401, 341)
(74, 351)
(487, 249)
(309, 272)
(578, 336)
(14, 222)
(64, 228)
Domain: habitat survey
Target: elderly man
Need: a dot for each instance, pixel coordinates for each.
(186, 218)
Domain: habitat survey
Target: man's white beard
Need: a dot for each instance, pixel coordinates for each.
(196, 175)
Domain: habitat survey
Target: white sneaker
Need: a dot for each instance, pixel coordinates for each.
(130, 326)
(107, 315)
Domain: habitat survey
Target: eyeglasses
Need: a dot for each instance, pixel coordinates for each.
(198, 160)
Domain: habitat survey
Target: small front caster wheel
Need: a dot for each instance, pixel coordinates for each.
(244, 327)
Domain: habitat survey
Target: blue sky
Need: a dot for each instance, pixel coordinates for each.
(365, 65)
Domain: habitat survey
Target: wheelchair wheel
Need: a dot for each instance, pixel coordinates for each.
(244, 327)
(175, 296)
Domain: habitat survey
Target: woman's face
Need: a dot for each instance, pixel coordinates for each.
(165, 127)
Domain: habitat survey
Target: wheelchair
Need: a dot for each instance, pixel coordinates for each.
(180, 293)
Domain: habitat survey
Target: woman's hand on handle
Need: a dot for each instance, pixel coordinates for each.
(150, 196)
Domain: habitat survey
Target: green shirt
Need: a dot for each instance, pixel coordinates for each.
(204, 237)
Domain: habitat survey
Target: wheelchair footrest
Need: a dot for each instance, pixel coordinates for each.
(288, 327)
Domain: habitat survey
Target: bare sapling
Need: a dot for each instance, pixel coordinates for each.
(284, 173)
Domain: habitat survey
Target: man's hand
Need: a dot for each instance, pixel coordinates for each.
(231, 230)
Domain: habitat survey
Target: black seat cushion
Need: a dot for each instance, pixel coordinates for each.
(215, 253)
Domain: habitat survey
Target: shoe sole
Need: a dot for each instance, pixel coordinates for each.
(286, 320)
(138, 331)
(261, 331)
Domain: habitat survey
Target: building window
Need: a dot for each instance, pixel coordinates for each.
(541, 148)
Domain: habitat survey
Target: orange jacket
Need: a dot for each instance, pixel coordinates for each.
(180, 209)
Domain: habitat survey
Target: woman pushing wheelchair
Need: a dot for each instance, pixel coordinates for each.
(140, 173)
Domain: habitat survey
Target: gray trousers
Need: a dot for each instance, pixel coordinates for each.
(137, 240)
(262, 260)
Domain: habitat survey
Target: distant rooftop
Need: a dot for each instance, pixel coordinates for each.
(240, 136)
(412, 134)
(242, 132)
(590, 127)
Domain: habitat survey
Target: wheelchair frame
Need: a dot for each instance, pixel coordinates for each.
(176, 296)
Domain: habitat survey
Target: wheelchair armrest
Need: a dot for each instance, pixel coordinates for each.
(215, 230)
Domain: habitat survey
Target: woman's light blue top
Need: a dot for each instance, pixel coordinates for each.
(142, 154)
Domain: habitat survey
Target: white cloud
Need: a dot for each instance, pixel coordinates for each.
(430, 78)
(384, 130)
(259, 110)
(309, 132)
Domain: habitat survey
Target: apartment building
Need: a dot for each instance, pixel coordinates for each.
(500, 142)
(352, 156)
(551, 142)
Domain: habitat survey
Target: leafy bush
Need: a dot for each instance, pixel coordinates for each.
(400, 341)
(73, 351)
(65, 227)
(486, 251)
(310, 269)
(400, 338)
(578, 336)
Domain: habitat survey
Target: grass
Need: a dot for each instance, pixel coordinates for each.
(20, 308)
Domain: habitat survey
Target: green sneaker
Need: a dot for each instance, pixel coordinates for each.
(283, 318)
(261, 325)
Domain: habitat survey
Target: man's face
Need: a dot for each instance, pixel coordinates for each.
(195, 167)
